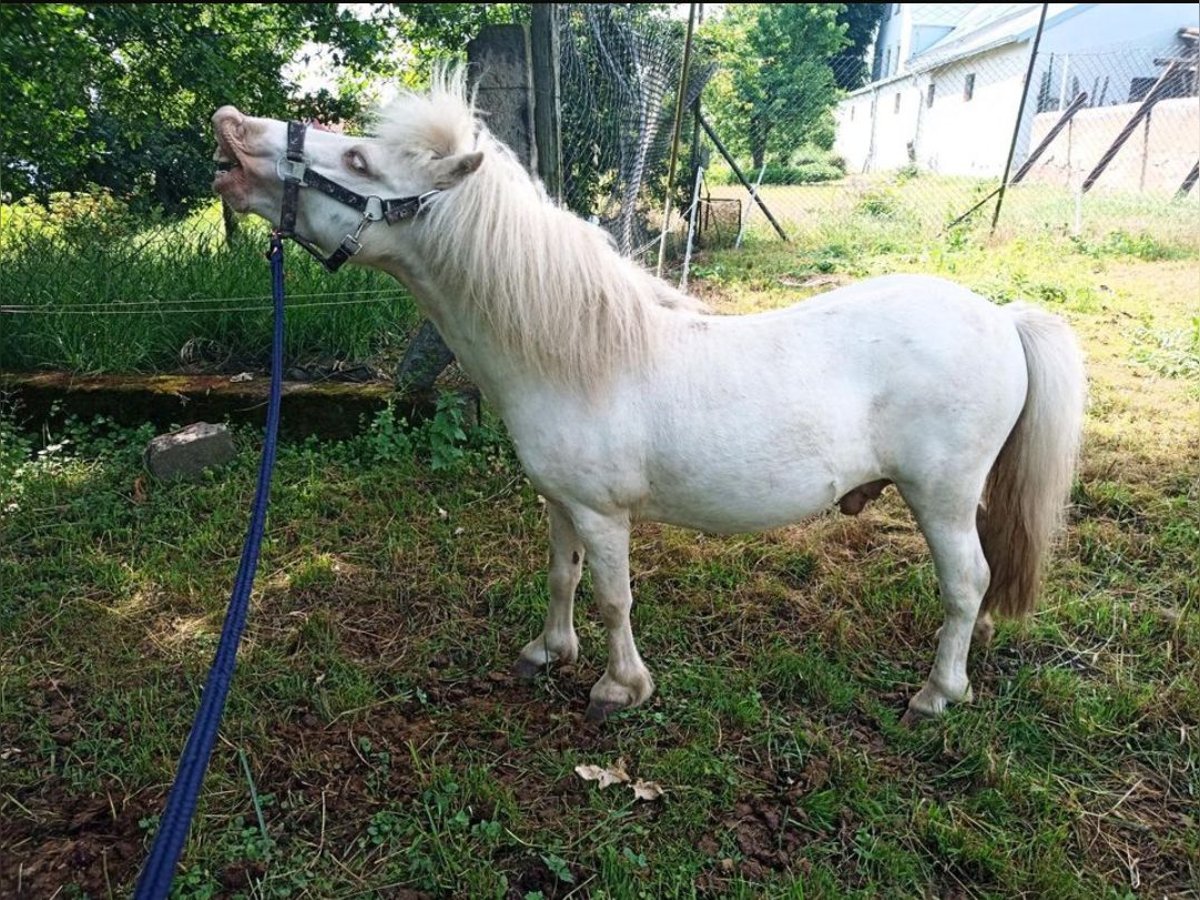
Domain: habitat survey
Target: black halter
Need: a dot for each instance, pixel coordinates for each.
(294, 172)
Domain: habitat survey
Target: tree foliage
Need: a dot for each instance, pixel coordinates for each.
(850, 66)
(120, 96)
(782, 67)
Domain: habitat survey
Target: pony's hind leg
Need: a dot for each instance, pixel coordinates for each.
(962, 575)
(557, 643)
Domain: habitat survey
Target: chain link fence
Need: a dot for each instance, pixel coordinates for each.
(620, 66)
(914, 132)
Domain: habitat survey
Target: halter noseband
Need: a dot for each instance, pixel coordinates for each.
(294, 172)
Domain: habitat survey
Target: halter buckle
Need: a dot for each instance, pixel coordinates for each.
(290, 169)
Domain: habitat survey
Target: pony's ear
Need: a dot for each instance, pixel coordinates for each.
(451, 170)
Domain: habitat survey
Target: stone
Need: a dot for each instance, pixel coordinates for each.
(186, 453)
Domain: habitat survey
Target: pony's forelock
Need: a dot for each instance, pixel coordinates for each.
(441, 120)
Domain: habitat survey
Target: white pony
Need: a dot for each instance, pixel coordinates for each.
(627, 403)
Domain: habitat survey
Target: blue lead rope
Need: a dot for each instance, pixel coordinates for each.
(155, 880)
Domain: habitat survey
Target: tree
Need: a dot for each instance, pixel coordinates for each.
(850, 66)
(120, 96)
(778, 83)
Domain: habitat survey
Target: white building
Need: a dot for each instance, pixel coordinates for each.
(949, 78)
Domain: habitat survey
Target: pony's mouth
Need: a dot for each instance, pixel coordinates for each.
(229, 169)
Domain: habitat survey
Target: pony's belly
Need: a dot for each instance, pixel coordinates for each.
(732, 506)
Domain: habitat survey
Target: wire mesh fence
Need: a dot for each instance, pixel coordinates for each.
(798, 120)
(795, 133)
(620, 67)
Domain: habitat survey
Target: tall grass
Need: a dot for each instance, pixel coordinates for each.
(103, 290)
(913, 209)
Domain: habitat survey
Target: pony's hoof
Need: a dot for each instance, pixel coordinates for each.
(526, 669)
(599, 710)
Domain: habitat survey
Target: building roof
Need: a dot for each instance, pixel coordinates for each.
(939, 13)
(991, 25)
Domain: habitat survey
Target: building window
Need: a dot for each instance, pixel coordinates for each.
(1046, 100)
(969, 87)
(852, 108)
(1139, 88)
(929, 94)
(895, 9)
(897, 109)
(887, 63)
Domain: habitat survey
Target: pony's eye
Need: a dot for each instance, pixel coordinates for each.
(356, 161)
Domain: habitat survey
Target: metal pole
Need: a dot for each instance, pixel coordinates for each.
(708, 129)
(683, 76)
(1012, 147)
(687, 254)
(746, 218)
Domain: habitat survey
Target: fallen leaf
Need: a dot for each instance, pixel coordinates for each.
(139, 490)
(647, 790)
(614, 774)
(240, 377)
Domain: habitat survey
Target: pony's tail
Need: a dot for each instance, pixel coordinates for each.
(1029, 485)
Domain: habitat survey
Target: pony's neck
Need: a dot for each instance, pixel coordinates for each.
(518, 286)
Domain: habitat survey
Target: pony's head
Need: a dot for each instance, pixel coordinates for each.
(425, 142)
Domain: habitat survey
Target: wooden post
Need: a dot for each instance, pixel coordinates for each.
(500, 65)
(1069, 113)
(547, 108)
(1188, 182)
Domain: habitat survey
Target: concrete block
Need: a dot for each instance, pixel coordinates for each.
(186, 453)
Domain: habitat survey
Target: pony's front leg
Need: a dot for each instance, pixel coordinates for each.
(557, 642)
(962, 579)
(626, 681)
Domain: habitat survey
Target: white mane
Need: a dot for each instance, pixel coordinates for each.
(551, 287)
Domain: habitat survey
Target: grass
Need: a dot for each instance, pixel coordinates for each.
(392, 755)
(107, 292)
(905, 209)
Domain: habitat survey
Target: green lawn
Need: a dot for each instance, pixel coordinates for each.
(392, 755)
(108, 291)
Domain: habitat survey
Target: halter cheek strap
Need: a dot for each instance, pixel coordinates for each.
(295, 174)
